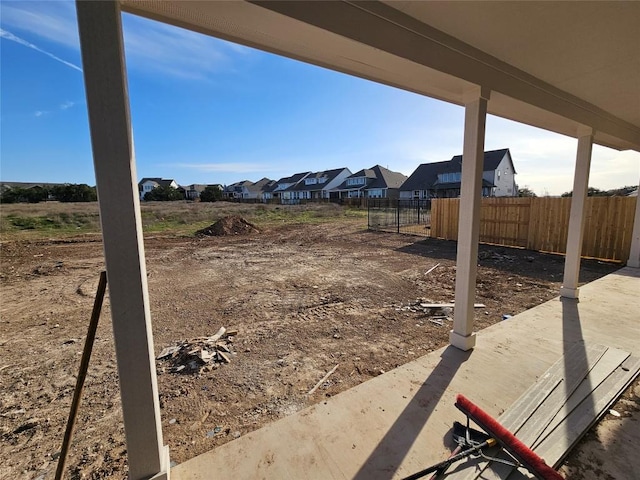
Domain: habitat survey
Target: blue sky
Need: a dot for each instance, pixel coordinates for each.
(209, 111)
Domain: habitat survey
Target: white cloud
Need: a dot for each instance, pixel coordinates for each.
(53, 21)
(10, 36)
(40, 113)
(545, 161)
(66, 105)
(151, 47)
(158, 47)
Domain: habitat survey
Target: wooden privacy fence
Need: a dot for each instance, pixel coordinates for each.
(541, 223)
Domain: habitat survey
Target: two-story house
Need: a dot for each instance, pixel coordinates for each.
(147, 184)
(443, 179)
(318, 185)
(281, 189)
(374, 182)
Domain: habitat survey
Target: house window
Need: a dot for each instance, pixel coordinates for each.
(322, 179)
(310, 181)
(498, 174)
(451, 177)
(355, 181)
(375, 193)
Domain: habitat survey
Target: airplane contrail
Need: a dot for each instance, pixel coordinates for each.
(10, 36)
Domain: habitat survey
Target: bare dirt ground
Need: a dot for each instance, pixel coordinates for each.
(303, 298)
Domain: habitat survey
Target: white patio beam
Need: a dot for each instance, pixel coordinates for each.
(577, 216)
(104, 69)
(634, 254)
(462, 335)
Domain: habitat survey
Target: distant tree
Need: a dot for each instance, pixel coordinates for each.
(526, 192)
(75, 193)
(623, 191)
(211, 194)
(591, 192)
(34, 194)
(13, 195)
(164, 193)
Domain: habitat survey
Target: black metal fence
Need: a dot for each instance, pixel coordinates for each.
(400, 216)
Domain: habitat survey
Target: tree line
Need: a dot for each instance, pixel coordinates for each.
(62, 193)
(84, 193)
(591, 192)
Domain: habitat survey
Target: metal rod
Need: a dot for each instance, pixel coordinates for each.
(82, 374)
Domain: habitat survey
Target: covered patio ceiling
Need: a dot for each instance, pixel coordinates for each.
(556, 67)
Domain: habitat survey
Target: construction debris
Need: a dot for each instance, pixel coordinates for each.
(322, 380)
(430, 308)
(432, 269)
(201, 353)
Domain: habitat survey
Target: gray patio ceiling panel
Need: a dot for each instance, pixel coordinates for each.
(556, 67)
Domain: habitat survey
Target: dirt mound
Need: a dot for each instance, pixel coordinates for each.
(230, 225)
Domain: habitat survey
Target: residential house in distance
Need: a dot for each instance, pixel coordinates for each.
(443, 179)
(247, 190)
(318, 185)
(375, 182)
(147, 184)
(279, 191)
(192, 192)
(237, 190)
(256, 190)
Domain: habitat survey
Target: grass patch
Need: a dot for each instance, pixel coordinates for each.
(61, 223)
(54, 219)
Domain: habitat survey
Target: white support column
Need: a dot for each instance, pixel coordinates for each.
(577, 216)
(634, 254)
(104, 68)
(462, 335)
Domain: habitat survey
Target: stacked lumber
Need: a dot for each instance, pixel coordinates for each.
(555, 412)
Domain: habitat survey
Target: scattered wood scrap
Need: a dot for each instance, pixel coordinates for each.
(449, 305)
(437, 311)
(432, 269)
(201, 353)
(324, 379)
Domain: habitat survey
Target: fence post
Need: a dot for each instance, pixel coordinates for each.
(398, 215)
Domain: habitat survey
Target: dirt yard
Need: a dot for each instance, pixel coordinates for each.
(302, 297)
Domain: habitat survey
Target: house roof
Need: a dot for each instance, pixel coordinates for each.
(295, 178)
(165, 182)
(329, 174)
(377, 177)
(492, 159)
(270, 187)
(385, 178)
(259, 186)
(198, 187)
(240, 184)
(425, 177)
(8, 185)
